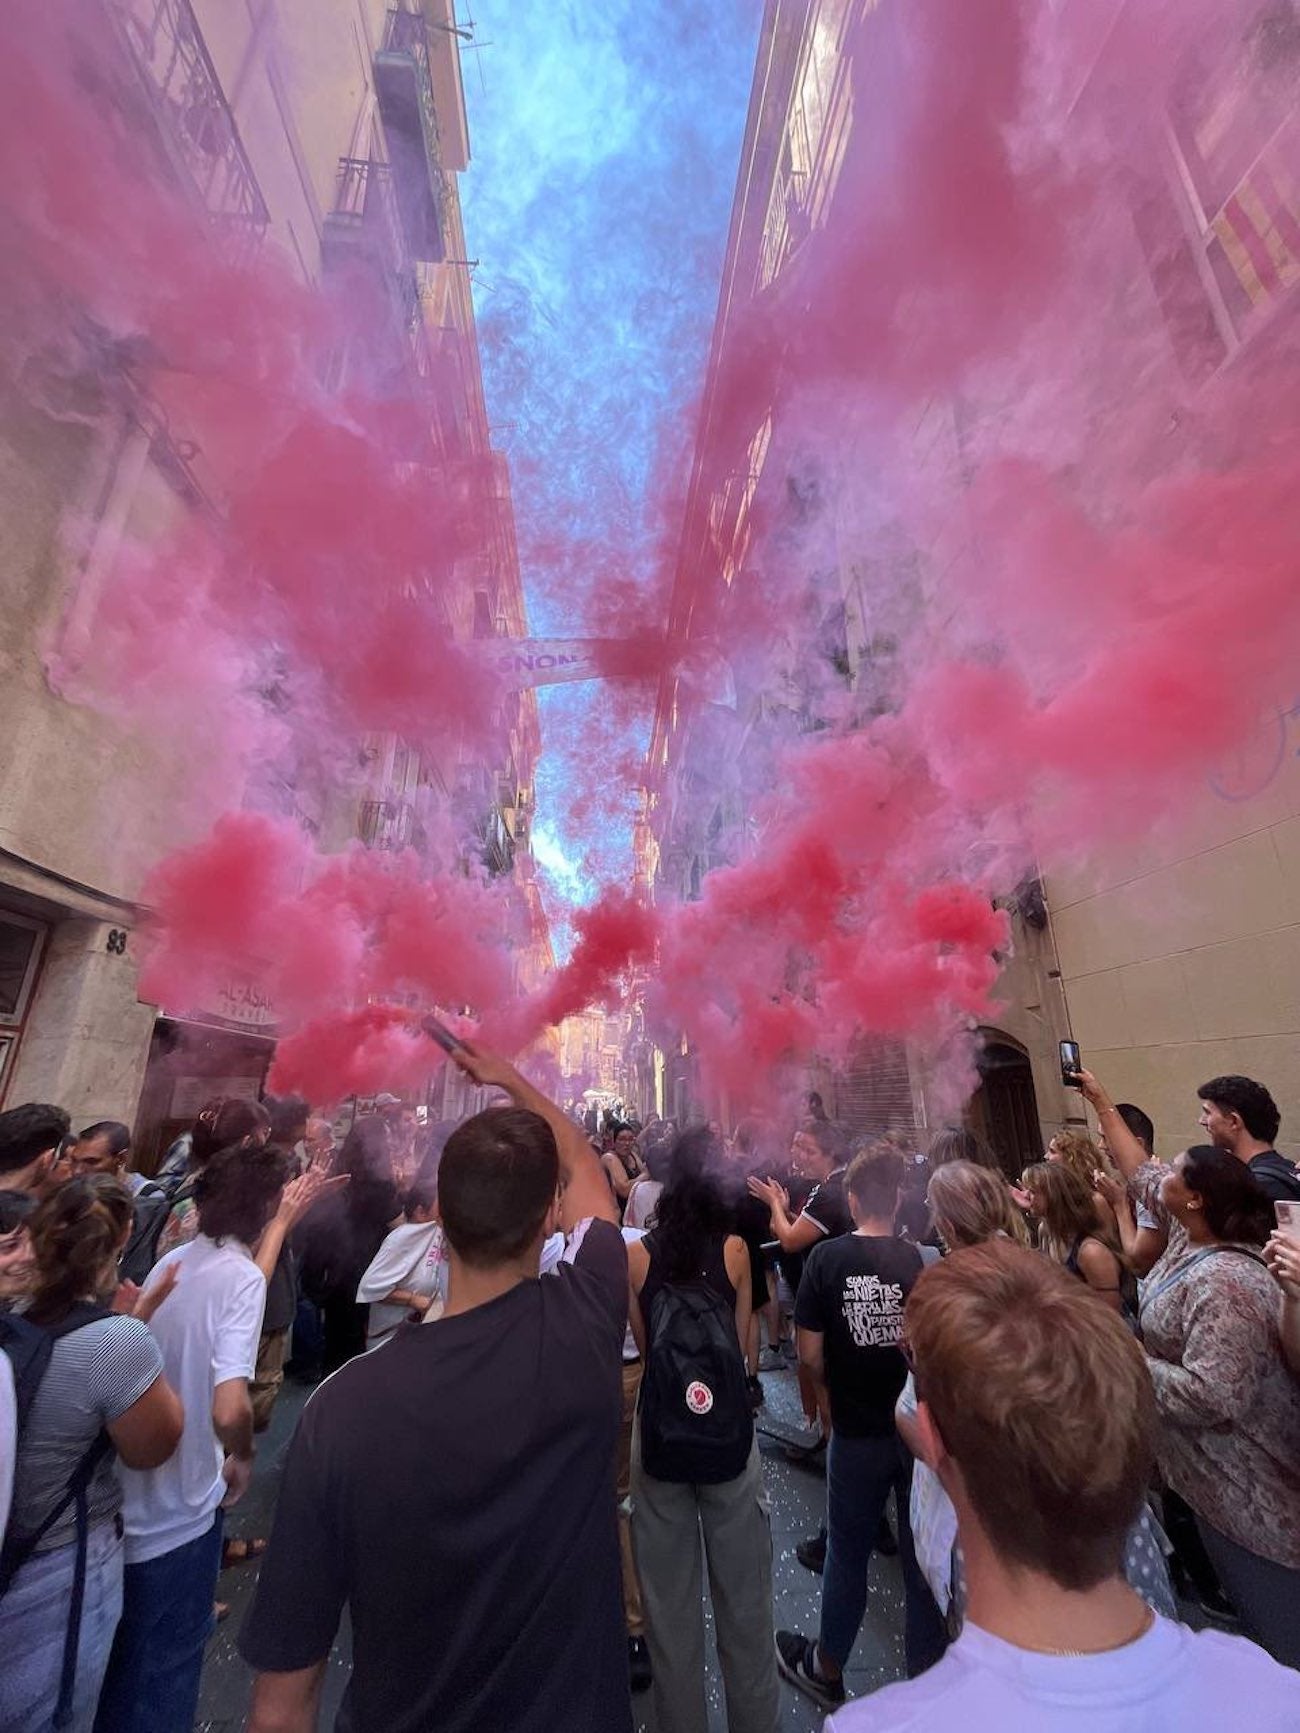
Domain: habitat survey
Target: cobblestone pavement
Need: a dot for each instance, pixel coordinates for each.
(798, 1498)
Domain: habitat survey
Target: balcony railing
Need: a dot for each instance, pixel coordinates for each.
(172, 60)
(404, 88)
(365, 210)
(388, 824)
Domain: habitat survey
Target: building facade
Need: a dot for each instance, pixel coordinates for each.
(332, 131)
(1172, 958)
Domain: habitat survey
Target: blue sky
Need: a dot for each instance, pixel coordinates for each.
(605, 136)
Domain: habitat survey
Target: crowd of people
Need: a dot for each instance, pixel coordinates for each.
(1076, 1384)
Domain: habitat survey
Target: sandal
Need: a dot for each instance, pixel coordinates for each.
(241, 1552)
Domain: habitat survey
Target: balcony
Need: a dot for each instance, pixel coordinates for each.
(366, 218)
(389, 824)
(198, 130)
(404, 90)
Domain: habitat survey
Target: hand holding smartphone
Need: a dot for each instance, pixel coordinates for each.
(1288, 1219)
(1071, 1064)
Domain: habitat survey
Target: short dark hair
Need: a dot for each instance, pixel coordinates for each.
(1234, 1204)
(115, 1134)
(28, 1132)
(496, 1181)
(1043, 1399)
(15, 1208)
(226, 1121)
(423, 1192)
(288, 1118)
(874, 1178)
(1139, 1124)
(237, 1190)
(1243, 1096)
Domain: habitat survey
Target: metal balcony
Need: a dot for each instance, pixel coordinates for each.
(198, 130)
(404, 90)
(365, 215)
(388, 824)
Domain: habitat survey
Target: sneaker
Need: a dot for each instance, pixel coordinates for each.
(638, 1665)
(771, 1360)
(756, 1396)
(812, 1553)
(796, 1659)
(789, 1352)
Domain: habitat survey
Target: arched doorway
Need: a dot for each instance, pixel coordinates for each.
(1004, 1108)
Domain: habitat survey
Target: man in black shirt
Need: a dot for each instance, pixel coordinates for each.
(849, 1316)
(1241, 1116)
(455, 1488)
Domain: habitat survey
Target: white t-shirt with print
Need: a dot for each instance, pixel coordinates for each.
(1171, 1678)
(413, 1257)
(208, 1329)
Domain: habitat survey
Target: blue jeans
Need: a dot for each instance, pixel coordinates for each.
(34, 1624)
(152, 1684)
(860, 1474)
(1265, 1594)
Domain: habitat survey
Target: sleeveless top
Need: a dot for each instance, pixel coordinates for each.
(712, 1273)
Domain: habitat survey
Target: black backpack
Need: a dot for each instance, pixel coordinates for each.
(150, 1208)
(697, 1427)
(29, 1347)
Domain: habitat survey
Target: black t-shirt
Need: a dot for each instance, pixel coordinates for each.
(853, 1291)
(456, 1490)
(1276, 1175)
(828, 1206)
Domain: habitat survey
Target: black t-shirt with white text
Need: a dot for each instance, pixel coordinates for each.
(455, 1489)
(853, 1292)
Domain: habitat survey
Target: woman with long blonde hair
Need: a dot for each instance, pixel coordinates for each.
(972, 1204)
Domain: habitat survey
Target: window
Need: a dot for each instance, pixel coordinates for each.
(21, 941)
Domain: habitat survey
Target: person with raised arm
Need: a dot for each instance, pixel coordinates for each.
(455, 1490)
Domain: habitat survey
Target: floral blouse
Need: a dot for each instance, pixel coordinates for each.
(1229, 1407)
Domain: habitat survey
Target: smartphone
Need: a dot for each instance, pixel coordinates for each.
(440, 1033)
(1071, 1063)
(1288, 1218)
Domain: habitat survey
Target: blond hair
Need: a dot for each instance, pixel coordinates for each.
(971, 1204)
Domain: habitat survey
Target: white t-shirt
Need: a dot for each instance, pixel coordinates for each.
(413, 1256)
(1172, 1678)
(208, 1330)
(642, 1201)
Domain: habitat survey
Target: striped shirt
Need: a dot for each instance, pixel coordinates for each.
(95, 1374)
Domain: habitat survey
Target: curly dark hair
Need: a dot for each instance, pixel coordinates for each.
(694, 1209)
(1235, 1206)
(1248, 1099)
(237, 1191)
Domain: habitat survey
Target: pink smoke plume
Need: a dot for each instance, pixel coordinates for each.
(1074, 524)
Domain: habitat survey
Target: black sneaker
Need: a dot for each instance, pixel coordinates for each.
(756, 1396)
(796, 1659)
(638, 1665)
(812, 1553)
